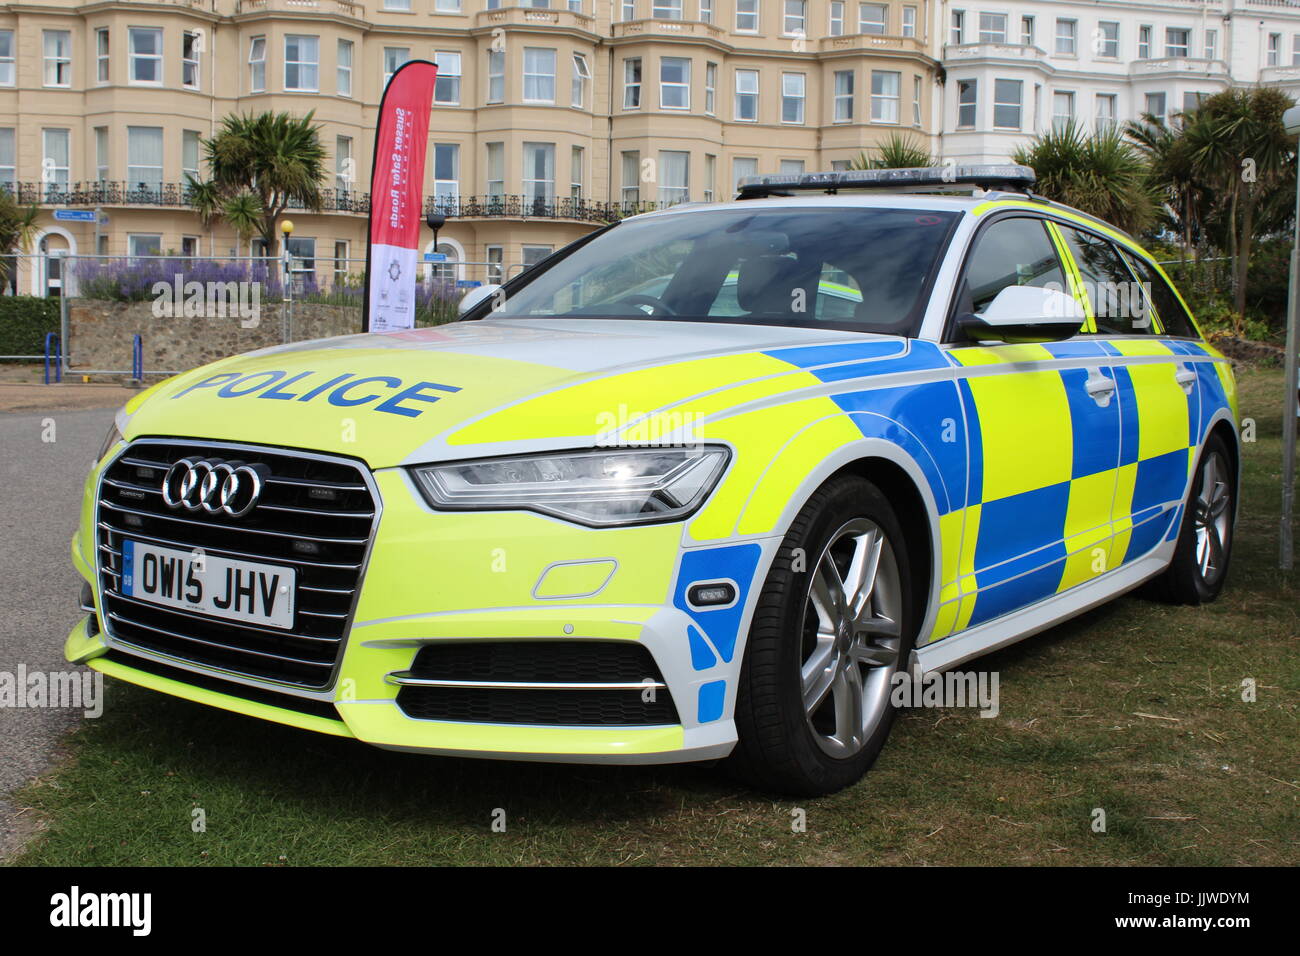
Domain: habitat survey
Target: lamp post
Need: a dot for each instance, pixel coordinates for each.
(1286, 547)
(286, 326)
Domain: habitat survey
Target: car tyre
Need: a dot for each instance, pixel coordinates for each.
(1200, 563)
(833, 624)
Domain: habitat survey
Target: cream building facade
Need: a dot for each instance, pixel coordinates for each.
(548, 120)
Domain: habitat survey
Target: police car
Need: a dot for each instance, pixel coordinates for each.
(865, 425)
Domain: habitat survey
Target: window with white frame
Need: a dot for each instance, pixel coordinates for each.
(55, 158)
(1192, 101)
(101, 154)
(793, 86)
(917, 88)
(706, 11)
(190, 153)
(145, 60)
(674, 83)
(496, 169)
(397, 4)
(301, 63)
(967, 103)
(958, 29)
(581, 75)
(345, 170)
(1144, 42)
(539, 75)
(742, 167)
(666, 9)
(257, 65)
(533, 254)
(446, 88)
(1008, 99)
(632, 83)
(394, 57)
(58, 56)
(711, 88)
(446, 171)
(343, 68)
(341, 256)
(909, 21)
(993, 28)
(539, 172)
(1155, 105)
(9, 158)
(791, 167)
(1027, 31)
(1211, 44)
(496, 268)
(1106, 111)
(747, 96)
(102, 61)
(841, 165)
(884, 96)
(8, 63)
(1178, 42)
(1272, 56)
(1295, 50)
(1067, 37)
(1108, 38)
(576, 165)
(837, 18)
(1062, 109)
(710, 177)
(746, 16)
(842, 97)
(674, 176)
(144, 244)
(191, 45)
(496, 87)
(630, 191)
(873, 18)
(575, 6)
(144, 157)
(629, 10)
(794, 20)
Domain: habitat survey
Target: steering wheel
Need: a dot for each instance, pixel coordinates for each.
(659, 306)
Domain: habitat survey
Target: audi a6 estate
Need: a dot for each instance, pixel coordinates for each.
(854, 434)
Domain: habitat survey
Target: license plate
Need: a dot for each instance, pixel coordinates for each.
(207, 584)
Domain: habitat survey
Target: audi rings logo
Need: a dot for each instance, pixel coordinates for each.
(226, 487)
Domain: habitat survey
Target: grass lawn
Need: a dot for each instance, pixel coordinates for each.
(1204, 779)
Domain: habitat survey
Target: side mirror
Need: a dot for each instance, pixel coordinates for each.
(1024, 313)
(476, 295)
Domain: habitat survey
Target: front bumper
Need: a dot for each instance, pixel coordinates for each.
(503, 576)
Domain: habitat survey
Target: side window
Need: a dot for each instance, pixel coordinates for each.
(1117, 303)
(1173, 316)
(1015, 251)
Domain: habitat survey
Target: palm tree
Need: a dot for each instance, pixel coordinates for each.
(261, 164)
(18, 228)
(1240, 150)
(1173, 173)
(899, 151)
(1101, 174)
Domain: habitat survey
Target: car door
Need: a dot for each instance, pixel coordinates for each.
(1157, 391)
(1043, 429)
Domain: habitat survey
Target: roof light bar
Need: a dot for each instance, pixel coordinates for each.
(992, 176)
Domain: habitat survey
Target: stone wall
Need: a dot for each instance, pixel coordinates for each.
(100, 333)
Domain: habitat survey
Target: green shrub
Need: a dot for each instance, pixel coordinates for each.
(24, 322)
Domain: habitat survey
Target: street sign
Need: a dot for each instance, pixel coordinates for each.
(75, 215)
(468, 283)
(435, 257)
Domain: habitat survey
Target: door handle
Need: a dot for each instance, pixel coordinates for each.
(1185, 377)
(1100, 388)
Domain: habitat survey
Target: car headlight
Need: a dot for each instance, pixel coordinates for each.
(603, 488)
(110, 441)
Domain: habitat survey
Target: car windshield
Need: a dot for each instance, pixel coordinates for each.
(854, 268)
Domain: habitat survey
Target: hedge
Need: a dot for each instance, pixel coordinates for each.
(24, 321)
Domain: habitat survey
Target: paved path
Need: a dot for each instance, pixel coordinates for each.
(40, 492)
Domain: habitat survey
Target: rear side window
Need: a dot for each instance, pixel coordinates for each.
(1118, 304)
(1173, 317)
(1015, 251)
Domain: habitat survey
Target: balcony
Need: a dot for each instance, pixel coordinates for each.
(992, 51)
(870, 43)
(1178, 66)
(534, 17)
(341, 7)
(529, 207)
(1281, 75)
(665, 29)
(161, 195)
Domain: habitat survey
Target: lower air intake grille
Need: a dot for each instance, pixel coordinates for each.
(315, 515)
(539, 662)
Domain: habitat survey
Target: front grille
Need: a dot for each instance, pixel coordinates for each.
(538, 662)
(316, 515)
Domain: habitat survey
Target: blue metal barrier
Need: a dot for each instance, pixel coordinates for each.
(137, 358)
(53, 349)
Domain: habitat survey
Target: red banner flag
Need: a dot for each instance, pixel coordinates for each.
(396, 190)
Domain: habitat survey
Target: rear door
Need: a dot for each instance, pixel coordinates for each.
(1157, 390)
(1043, 429)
